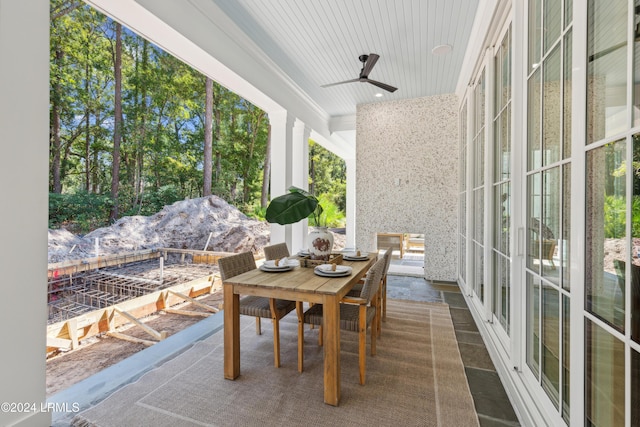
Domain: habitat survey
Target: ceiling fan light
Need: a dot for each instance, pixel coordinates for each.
(442, 49)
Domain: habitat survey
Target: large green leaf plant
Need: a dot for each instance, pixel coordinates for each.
(294, 206)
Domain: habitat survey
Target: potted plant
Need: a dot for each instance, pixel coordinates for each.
(297, 205)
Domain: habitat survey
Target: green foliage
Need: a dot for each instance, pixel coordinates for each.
(162, 147)
(614, 217)
(635, 216)
(256, 212)
(331, 214)
(328, 175)
(156, 199)
(80, 211)
(292, 207)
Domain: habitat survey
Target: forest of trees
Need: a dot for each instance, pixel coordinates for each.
(132, 128)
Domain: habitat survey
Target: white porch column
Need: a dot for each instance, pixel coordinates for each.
(24, 135)
(351, 203)
(300, 178)
(281, 167)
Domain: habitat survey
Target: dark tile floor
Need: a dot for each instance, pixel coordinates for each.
(492, 404)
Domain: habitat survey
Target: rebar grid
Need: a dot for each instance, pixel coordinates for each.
(80, 292)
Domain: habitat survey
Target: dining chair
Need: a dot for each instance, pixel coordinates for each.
(258, 307)
(383, 292)
(356, 314)
(277, 251)
(355, 291)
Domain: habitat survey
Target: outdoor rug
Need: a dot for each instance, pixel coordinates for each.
(416, 379)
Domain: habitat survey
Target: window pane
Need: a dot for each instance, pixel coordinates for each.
(566, 357)
(635, 300)
(501, 225)
(506, 68)
(533, 323)
(479, 98)
(605, 253)
(635, 249)
(551, 343)
(568, 45)
(502, 147)
(605, 376)
(552, 22)
(478, 211)
(498, 81)
(552, 108)
(547, 238)
(636, 74)
(534, 157)
(535, 32)
(463, 259)
(479, 271)
(635, 388)
(607, 69)
(463, 214)
(463, 148)
(563, 251)
(479, 161)
(534, 190)
(503, 73)
(501, 291)
(568, 12)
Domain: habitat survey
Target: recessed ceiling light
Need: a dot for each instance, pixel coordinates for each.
(442, 49)
(378, 95)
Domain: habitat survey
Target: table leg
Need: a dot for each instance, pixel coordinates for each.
(331, 330)
(231, 333)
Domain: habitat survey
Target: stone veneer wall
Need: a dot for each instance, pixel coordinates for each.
(407, 176)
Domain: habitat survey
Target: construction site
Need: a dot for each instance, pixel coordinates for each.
(104, 309)
(120, 289)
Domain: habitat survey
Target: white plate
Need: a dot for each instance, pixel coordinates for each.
(331, 273)
(276, 269)
(352, 256)
(283, 264)
(328, 269)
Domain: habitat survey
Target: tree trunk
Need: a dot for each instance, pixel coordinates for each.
(254, 127)
(266, 174)
(56, 145)
(312, 170)
(142, 133)
(208, 138)
(87, 132)
(218, 116)
(117, 131)
(95, 171)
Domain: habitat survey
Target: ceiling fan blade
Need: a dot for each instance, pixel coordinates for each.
(368, 66)
(380, 85)
(339, 83)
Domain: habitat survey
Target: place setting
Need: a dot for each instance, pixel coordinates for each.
(355, 255)
(303, 253)
(332, 270)
(279, 265)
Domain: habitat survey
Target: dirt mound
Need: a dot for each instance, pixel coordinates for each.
(187, 224)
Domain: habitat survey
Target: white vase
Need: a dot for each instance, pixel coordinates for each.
(320, 243)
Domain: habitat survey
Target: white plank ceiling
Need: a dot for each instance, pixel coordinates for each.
(318, 42)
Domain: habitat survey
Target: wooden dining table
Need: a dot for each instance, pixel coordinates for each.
(298, 284)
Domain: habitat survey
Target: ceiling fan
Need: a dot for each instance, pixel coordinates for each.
(368, 61)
